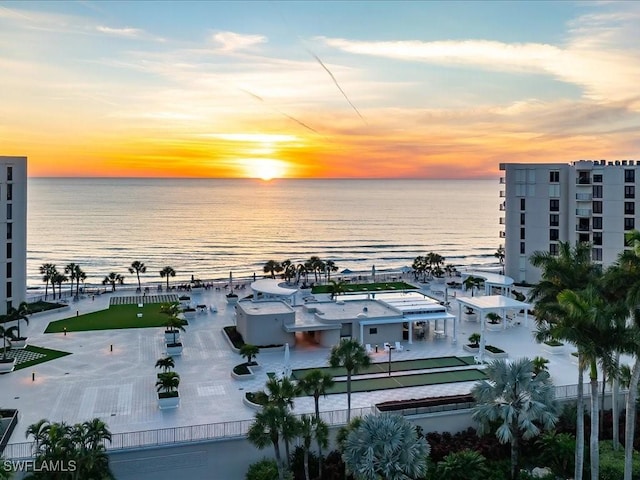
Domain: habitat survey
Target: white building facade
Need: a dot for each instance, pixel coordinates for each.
(13, 231)
(585, 201)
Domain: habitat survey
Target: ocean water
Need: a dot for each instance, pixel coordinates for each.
(209, 227)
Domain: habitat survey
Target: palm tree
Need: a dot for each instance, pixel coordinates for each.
(316, 383)
(280, 392)
(386, 447)
(540, 365)
(166, 364)
(112, 279)
(463, 465)
(471, 283)
(331, 267)
(351, 355)
(167, 272)
(174, 325)
(518, 400)
(499, 254)
(321, 433)
(306, 432)
(271, 267)
(58, 279)
(592, 316)
(168, 383)
(170, 308)
(249, 352)
(266, 429)
(47, 270)
(81, 276)
(336, 288)
(286, 269)
(572, 269)
(7, 334)
(138, 268)
(71, 270)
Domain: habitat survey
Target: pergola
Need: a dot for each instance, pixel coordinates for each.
(270, 289)
(491, 303)
(491, 280)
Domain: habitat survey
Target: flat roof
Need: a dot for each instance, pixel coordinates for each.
(271, 286)
(492, 278)
(267, 307)
(493, 302)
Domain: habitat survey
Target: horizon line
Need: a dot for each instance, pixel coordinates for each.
(259, 179)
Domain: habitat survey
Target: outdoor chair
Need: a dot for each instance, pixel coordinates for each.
(368, 348)
(399, 347)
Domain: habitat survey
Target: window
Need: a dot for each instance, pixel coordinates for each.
(9, 174)
(597, 178)
(629, 223)
(9, 231)
(597, 207)
(522, 219)
(554, 205)
(10, 191)
(9, 211)
(9, 251)
(629, 191)
(596, 254)
(554, 176)
(597, 191)
(9, 270)
(9, 290)
(553, 248)
(629, 208)
(522, 234)
(522, 251)
(554, 234)
(554, 220)
(554, 191)
(597, 223)
(597, 238)
(629, 176)
(373, 331)
(522, 204)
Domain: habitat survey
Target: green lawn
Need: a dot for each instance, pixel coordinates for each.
(366, 287)
(116, 316)
(32, 355)
(398, 366)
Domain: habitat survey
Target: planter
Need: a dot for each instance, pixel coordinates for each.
(470, 317)
(168, 336)
(19, 343)
(245, 376)
(494, 327)
(232, 300)
(6, 366)
(556, 348)
(496, 353)
(174, 349)
(189, 314)
(471, 348)
(166, 401)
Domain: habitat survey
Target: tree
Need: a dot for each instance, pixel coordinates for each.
(47, 270)
(351, 355)
(167, 272)
(316, 383)
(17, 315)
(81, 276)
(71, 269)
(7, 335)
(174, 325)
(499, 254)
(336, 288)
(249, 352)
(540, 365)
(138, 268)
(331, 267)
(308, 428)
(272, 267)
(166, 364)
(112, 279)
(266, 429)
(518, 400)
(572, 269)
(58, 279)
(170, 308)
(471, 283)
(280, 392)
(386, 447)
(168, 383)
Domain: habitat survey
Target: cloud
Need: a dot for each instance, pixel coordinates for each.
(232, 42)
(120, 32)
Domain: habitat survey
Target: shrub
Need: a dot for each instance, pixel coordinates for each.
(612, 463)
(463, 465)
(265, 469)
(333, 468)
(554, 343)
(297, 463)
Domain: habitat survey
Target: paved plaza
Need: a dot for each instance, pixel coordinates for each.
(111, 374)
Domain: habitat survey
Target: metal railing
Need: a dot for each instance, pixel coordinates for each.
(184, 435)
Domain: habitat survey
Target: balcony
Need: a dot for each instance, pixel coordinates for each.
(503, 207)
(583, 228)
(501, 221)
(583, 212)
(503, 235)
(502, 180)
(583, 179)
(502, 194)
(584, 197)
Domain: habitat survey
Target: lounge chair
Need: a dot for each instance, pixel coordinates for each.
(368, 348)
(387, 347)
(399, 347)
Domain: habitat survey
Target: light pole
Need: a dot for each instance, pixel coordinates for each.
(390, 348)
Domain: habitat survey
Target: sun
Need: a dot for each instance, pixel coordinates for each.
(265, 168)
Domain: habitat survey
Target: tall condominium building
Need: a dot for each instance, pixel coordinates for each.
(586, 201)
(13, 231)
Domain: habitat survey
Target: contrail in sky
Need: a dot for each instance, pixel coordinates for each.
(337, 84)
(302, 124)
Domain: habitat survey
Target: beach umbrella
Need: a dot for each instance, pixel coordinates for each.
(406, 269)
(346, 271)
(373, 272)
(231, 281)
(286, 371)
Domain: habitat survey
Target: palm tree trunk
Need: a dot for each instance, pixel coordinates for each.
(515, 446)
(615, 410)
(276, 448)
(348, 396)
(320, 460)
(316, 400)
(601, 405)
(306, 464)
(630, 419)
(46, 289)
(594, 452)
(579, 458)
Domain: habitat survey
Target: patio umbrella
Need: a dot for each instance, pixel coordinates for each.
(231, 281)
(373, 272)
(406, 269)
(346, 271)
(286, 371)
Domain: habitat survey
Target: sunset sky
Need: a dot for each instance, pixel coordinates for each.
(316, 89)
